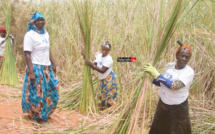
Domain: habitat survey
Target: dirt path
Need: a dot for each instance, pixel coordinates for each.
(13, 121)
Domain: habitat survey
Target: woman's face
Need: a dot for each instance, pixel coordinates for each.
(3, 34)
(105, 51)
(39, 23)
(183, 57)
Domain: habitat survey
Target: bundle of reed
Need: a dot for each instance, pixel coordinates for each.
(126, 123)
(8, 74)
(84, 15)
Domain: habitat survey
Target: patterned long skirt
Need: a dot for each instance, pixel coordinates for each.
(108, 90)
(40, 99)
(171, 119)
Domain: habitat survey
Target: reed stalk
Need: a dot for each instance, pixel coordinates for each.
(84, 12)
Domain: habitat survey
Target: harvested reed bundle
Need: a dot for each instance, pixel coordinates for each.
(8, 74)
(84, 14)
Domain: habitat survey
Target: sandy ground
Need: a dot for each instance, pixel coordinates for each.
(13, 121)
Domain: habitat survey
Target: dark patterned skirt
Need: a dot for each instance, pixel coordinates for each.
(40, 99)
(171, 119)
(108, 90)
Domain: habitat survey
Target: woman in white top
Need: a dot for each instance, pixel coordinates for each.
(2, 43)
(40, 90)
(172, 113)
(103, 65)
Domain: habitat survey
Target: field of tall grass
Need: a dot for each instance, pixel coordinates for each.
(135, 29)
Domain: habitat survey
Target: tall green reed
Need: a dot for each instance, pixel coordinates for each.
(84, 11)
(8, 73)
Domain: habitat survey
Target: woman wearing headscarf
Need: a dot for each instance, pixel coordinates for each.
(40, 90)
(103, 65)
(172, 113)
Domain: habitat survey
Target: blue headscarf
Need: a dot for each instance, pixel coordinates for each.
(31, 26)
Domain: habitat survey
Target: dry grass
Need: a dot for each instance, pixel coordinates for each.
(128, 25)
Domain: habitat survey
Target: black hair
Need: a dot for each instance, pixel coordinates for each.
(107, 43)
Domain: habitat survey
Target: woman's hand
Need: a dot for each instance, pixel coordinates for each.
(32, 77)
(151, 70)
(89, 63)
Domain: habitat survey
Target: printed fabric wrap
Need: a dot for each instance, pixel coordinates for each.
(108, 90)
(184, 46)
(40, 99)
